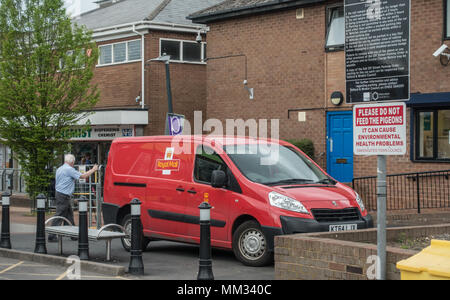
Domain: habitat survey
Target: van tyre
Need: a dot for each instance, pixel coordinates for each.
(126, 242)
(250, 245)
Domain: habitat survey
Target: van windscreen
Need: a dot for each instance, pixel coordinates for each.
(273, 164)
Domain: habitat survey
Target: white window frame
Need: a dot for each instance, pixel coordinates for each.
(329, 14)
(126, 61)
(181, 60)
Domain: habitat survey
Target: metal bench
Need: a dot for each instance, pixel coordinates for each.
(93, 234)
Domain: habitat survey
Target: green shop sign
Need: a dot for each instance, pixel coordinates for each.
(77, 133)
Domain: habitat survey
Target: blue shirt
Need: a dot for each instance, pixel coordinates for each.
(65, 179)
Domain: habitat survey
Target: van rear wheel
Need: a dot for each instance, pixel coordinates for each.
(126, 242)
(250, 245)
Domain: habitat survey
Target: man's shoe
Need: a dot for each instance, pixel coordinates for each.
(74, 239)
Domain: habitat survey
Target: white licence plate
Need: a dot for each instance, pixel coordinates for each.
(343, 227)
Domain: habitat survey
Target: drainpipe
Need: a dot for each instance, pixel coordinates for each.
(143, 65)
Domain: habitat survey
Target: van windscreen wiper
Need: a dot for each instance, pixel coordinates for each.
(289, 181)
(326, 181)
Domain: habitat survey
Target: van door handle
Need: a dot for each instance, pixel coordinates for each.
(192, 192)
(180, 189)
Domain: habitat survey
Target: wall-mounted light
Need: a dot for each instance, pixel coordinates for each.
(337, 98)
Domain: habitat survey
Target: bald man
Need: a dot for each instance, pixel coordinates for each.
(66, 176)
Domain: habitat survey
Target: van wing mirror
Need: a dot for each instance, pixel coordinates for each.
(218, 179)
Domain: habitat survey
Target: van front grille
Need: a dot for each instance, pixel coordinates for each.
(336, 215)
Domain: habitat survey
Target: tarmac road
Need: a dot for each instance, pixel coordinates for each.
(163, 260)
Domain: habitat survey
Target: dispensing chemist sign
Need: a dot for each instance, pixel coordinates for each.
(379, 129)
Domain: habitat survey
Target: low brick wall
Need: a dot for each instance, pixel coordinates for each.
(398, 218)
(343, 255)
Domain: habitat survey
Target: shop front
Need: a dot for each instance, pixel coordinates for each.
(91, 146)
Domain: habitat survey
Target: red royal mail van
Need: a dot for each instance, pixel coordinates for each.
(258, 188)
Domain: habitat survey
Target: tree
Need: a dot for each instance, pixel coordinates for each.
(46, 66)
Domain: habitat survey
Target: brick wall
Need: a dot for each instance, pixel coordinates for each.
(290, 70)
(120, 84)
(343, 255)
(285, 67)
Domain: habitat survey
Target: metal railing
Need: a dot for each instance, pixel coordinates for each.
(12, 180)
(418, 191)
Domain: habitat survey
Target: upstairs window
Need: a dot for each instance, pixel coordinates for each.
(447, 19)
(119, 53)
(335, 38)
(171, 48)
(183, 51)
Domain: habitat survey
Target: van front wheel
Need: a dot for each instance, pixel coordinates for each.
(126, 242)
(250, 245)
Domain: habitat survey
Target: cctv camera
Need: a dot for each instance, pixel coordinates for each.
(444, 54)
(198, 39)
(440, 51)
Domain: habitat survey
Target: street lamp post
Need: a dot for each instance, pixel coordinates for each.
(166, 60)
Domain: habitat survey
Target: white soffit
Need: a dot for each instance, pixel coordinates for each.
(117, 117)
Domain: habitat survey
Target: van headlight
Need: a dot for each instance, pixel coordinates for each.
(287, 203)
(360, 202)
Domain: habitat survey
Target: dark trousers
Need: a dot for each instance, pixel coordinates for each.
(63, 209)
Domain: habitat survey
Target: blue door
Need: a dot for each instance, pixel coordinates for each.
(340, 145)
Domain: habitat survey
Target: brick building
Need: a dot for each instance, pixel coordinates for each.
(133, 96)
(295, 61)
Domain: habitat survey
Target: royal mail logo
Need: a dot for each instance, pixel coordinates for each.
(167, 165)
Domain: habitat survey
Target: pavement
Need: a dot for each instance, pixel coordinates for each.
(163, 260)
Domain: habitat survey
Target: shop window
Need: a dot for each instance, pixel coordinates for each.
(183, 51)
(433, 135)
(335, 38)
(9, 161)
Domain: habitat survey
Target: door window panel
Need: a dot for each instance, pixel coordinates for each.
(443, 137)
(207, 161)
(426, 133)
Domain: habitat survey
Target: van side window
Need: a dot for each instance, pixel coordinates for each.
(206, 161)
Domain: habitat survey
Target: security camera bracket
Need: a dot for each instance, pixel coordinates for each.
(445, 57)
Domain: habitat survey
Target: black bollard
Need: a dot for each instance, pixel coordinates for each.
(83, 242)
(136, 266)
(5, 241)
(205, 263)
(40, 247)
